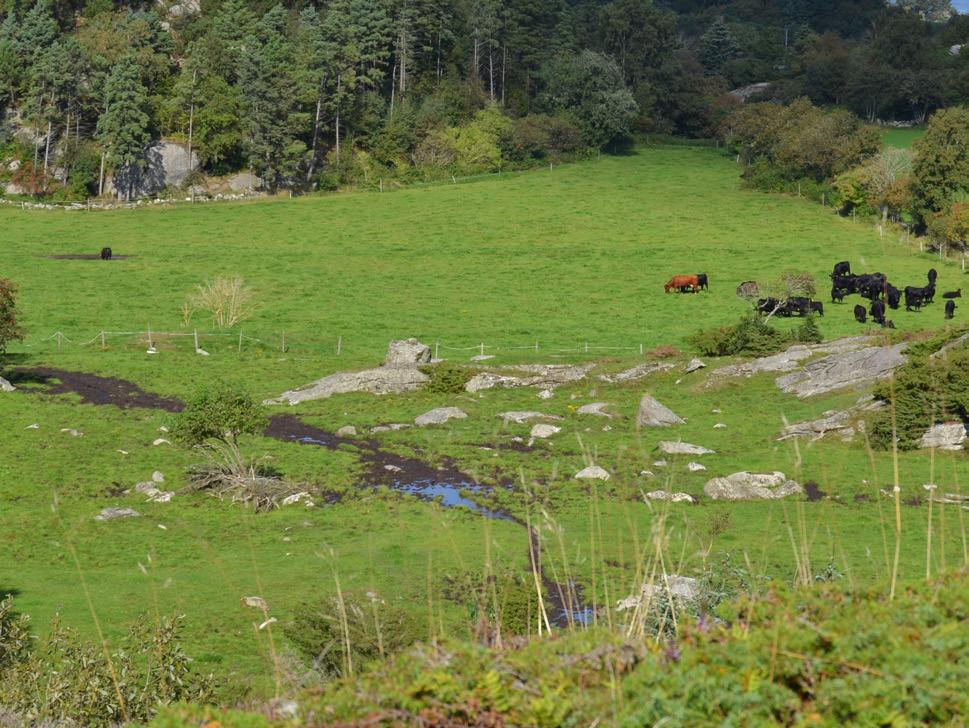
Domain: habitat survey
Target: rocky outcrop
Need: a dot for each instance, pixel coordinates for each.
(946, 436)
(547, 376)
(637, 372)
(440, 416)
(520, 417)
(682, 588)
(593, 472)
(683, 448)
(843, 370)
(6, 386)
(667, 495)
(398, 374)
(166, 165)
(110, 514)
(407, 353)
(694, 365)
(789, 359)
(542, 431)
(751, 486)
(844, 423)
(347, 431)
(652, 413)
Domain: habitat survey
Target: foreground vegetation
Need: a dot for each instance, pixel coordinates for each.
(455, 264)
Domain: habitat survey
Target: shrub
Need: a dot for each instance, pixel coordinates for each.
(228, 300)
(808, 332)
(372, 627)
(10, 330)
(218, 415)
(751, 336)
(926, 390)
(447, 378)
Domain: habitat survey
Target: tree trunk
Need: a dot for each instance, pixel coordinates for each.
(393, 87)
(402, 44)
(101, 177)
(339, 83)
(491, 72)
(474, 61)
(191, 126)
(50, 127)
(316, 132)
(504, 55)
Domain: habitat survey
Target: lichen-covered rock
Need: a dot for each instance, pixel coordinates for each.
(683, 448)
(593, 472)
(407, 353)
(439, 416)
(842, 370)
(6, 386)
(946, 436)
(110, 514)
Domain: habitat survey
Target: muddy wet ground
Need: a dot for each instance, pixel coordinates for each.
(92, 388)
(86, 256)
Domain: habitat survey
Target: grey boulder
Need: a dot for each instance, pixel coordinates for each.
(440, 416)
(946, 436)
(109, 514)
(842, 370)
(751, 486)
(6, 386)
(683, 448)
(652, 413)
(407, 353)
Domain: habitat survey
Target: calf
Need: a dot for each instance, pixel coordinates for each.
(950, 309)
(878, 311)
(861, 315)
(703, 281)
(953, 294)
(838, 294)
(106, 253)
(913, 298)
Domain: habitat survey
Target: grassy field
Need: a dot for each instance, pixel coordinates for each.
(561, 257)
(901, 138)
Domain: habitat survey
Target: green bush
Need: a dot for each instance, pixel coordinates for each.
(219, 415)
(447, 378)
(926, 391)
(372, 627)
(808, 332)
(751, 336)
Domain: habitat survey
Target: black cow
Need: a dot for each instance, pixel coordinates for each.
(848, 283)
(106, 254)
(841, 269)
(878, 311)
(933, 274)
(914, 297)
(816, 307)
(950, 309)
(767, 305)
(953, 294)
(893, 296)
(871, 285)
(704, 281)
(861, 315)
(929, 295)
(838, 294)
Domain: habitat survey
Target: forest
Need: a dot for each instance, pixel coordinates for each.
(319, 95)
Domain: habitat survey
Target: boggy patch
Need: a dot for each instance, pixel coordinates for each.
(92, 388)
(86, 256)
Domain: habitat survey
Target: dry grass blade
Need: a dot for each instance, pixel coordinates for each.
(228, 299)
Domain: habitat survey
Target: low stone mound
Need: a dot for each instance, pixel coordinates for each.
(6, 386)
(520, 417)
(639, 371)
(684, 448)
(595, 408)
(667, 495)
(593, 472)
(439, 416)
(842, 370)
(751, 486)
(110, 514)
(546, 376)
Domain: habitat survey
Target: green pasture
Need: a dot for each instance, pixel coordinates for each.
(901, 138)
(562, 257)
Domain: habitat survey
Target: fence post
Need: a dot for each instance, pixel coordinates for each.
(104, 344)
(640, 349)
(240, 341)
(481, 348)
(282, 346)
(339, 345)
(536, 346)
(437, 349)
(196, 334)
(150, 344)
(587, 347)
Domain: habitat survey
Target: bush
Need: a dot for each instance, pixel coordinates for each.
(10, 330)
(447, 378)
(751, 336)
(219, 415)
(372, 627)
(926, 391)
(808, 332)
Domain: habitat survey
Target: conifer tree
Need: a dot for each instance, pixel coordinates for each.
(123, 126)
(719, 46)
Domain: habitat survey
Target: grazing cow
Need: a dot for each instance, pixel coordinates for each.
(913, 298)
(861, 315)
(953, 294)
(848, 282)
(893, 296)
(950, 309)
(878, 311)
(929, 294)
(933, 274)
(816, 307)
(704, 281)
(838, 294)
(871, 285)
(770, 305)
(681, 283)
(841, 269)
(106, 253)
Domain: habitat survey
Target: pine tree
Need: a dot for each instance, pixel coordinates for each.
(123, 126)
(267, 78)
(233, 23)
(719, 46)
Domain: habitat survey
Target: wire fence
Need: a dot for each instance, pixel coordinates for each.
(208, 343)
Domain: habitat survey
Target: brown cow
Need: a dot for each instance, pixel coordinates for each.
(681, 282)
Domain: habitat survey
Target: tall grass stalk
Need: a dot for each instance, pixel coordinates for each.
(896, 491)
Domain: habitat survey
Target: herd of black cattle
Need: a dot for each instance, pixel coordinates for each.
(873, 286)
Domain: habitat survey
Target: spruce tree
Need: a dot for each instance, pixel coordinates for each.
(719, 46)
(123, 126)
